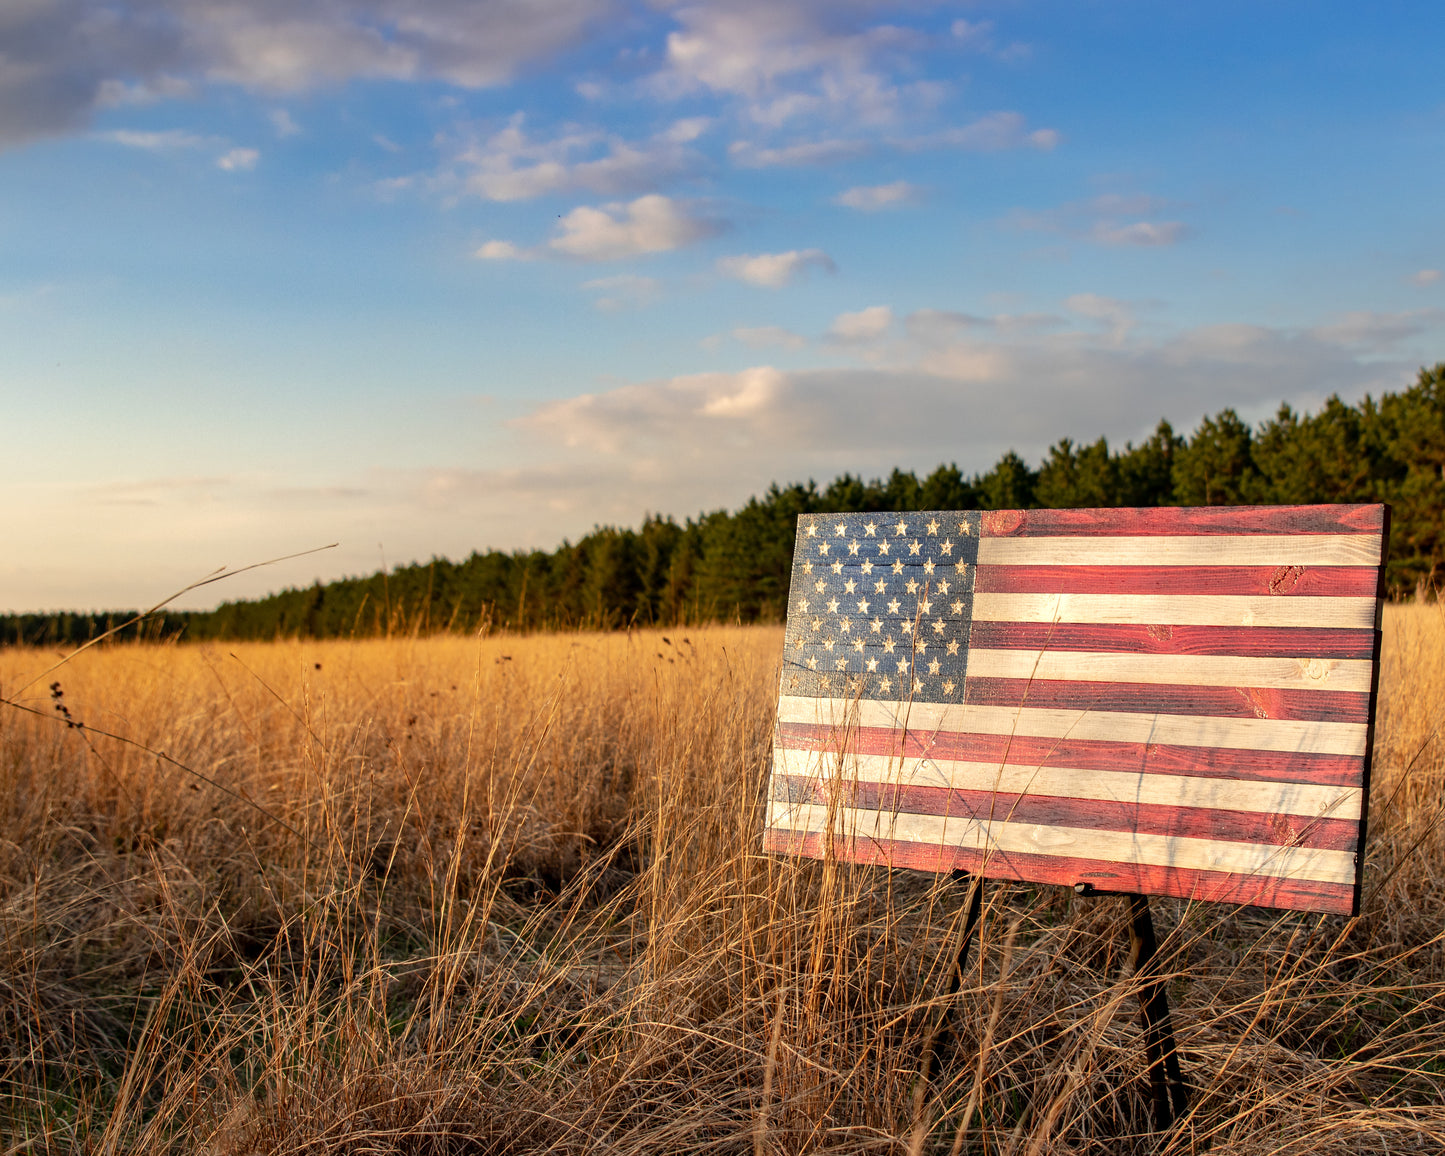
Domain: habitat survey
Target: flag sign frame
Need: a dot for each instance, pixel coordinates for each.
(1170, 701)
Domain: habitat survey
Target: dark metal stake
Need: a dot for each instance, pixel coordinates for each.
(1170, 1093)
(960, 965)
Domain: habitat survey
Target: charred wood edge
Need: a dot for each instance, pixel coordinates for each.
(1168, 1091)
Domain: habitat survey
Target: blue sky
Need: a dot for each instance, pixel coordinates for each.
(427, 276)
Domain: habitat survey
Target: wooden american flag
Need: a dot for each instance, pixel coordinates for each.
(1166, 701)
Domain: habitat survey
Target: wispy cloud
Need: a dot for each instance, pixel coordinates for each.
(238, 160)
(1106, 220)
(650, 224)
(1425, 277)
(623, 291)
(871, 198)
(864, 325)
(774, 270)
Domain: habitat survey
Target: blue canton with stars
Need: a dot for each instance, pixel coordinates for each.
(880, 605)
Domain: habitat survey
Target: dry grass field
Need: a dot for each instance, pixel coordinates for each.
(505, 895)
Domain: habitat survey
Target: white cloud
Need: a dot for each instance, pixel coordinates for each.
(992, 132)
(238, 160)
(785, 61)
(747, 155)
(624, 291)
(650, 224)
(774, 270)
(871, 198)
(1104, 221)
(1147, 233)
(1425, 277)
(502, 251)
(864, 325)
(78, 55)
(155, 141)
(768, 337)
(511, 166)
(284, 125)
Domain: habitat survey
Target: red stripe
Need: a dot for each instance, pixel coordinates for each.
(1186, 520)
(1331, 834)
(1153, 758)
(1186, 883)
(1239, 641)
(1171, 698)
(1315, 581)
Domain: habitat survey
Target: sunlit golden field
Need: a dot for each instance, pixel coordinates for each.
(506, 895)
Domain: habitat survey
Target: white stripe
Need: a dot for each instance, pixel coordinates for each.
(1323, 674)
(1072, 842)
(1184, 550)
(1323, 738)
(1129, 787)
(1177, 609)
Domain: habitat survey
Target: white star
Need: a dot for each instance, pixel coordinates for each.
(938, 626)
(886, 684)
(807, 567)
(862, 606)
(918, 685)
(963, 528)
(946, 547)
(953, 646)
(928, 566)
(934, 666)
(872, 665)
(882, 547)
(841, 664)
(820, 586)
(817, 624)
(961, 566)
(858, 645)
(832, 606)
(957, 606)
(898, 566)
(850, 586)
(842, 530)
(853, 546)
(870, 528)
(914, 546)
(812, 529)
(925, 605)
(877, 625)
(812, 662)
(911, 586)
(893, 605)
(943, 586)
(803, 605)
(822, 547)
(902, 528)
(922, 646)
(845, 626)
(948, 687)
(798, 643)
(933, 526)
(903, 666)
(906, 626)
(836, 567)
(827, 644)
(889, 644)
(867, 567)
(879, 586)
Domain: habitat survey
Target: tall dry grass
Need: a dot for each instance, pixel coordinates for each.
(505, 895)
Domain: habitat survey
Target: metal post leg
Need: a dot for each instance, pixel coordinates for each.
(1169, 1092)
(973, 909)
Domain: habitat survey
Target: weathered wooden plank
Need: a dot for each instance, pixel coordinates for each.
(1277, 581)
(1187, 520)
(1108, 874)
(1227, 701)
(1031, 807)
(1154, 638)
(1322, 675)
(1303, 550)
(1103, 755)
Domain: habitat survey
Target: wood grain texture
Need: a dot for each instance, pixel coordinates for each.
(1225, 701)
(1275, 550)
(1320, 675)
(1106, 874)
(1155, 638)
(1032, 808)
(1102, 755)
(1305, 801)
(1271, 581)
(1187, 520)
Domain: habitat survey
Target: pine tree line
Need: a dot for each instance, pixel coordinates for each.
(736, 566)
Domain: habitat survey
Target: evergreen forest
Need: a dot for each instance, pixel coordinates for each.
(735, 566)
